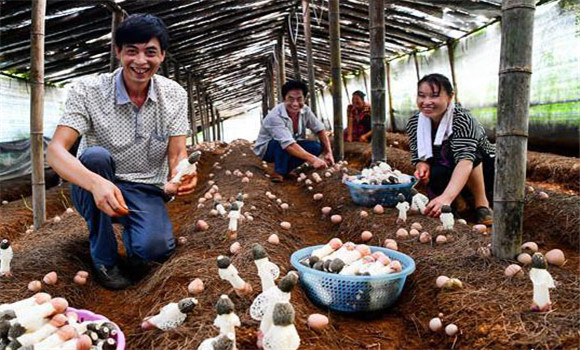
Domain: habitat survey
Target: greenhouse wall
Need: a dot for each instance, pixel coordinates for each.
(15, 112)
(555, 91)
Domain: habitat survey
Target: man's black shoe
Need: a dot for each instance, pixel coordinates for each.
(136, 268)
(111, 277)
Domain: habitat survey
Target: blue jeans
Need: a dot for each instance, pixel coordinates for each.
(283, 161)
(146, 234)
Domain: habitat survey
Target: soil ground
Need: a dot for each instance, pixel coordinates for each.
(491, 311)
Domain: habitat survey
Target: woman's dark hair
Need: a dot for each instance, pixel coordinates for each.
(294, 85)
(437, 80)
(359, 94)
(140, 28)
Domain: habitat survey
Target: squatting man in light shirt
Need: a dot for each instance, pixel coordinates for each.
(133, 125)
(282, 135)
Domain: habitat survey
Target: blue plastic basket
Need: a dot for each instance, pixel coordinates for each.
(371, 195)
(353, 293)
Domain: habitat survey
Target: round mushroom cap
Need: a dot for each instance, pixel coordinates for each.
(14, 344)
(224, 305)
(224, 342)
(7, 315)
(414, 191)
(4, 328)
(400, 197)
(336, 266)
(5, 244)
(259, 252)
(16, 330)
(234, 206)
(223, 262)
(186, 305)
(313, 260)
(283, 314)
(538, 261)
(288, 282)
(446, 209)
(319, 265)
(109, 344)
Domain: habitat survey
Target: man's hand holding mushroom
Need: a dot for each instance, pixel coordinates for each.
(109, 198)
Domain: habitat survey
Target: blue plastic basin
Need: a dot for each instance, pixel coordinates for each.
(353, 293)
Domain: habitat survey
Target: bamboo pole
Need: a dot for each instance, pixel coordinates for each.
(218, 124)
(164, 69)
(200, 109)
(37, 111)
(206, 115)
(378, 108)
(270, 81)
(334, 24)
(191, 105)
(117, 18)
(515, 71)
(280, 55)
(364, 75)
(348, 97)
(213, 123)
(177, 73)
(309, 57)
(416, 65)
(391, 110)
(265, 100)
(293, 51)
(451, 53)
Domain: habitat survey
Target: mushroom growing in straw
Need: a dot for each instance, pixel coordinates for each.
(171, 315)
(6, 255)
(228, 272)
(283, 334)
(267, 270)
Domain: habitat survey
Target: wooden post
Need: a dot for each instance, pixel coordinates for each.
(270, 82)
(348, 97)
(265, 101)
(309, 57)
(391, 110)
(206, 116)
(416, 65)
(450, 46)
(191, 105)
(378, 108)
(37, 111)
(292, 44)
(164, 68)
(212, 123)
(364, 75)
(515, 69)
(177, 73)
(200, 109)
(280, 55)
(334, 23)
(117, 18)
(218, 124)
